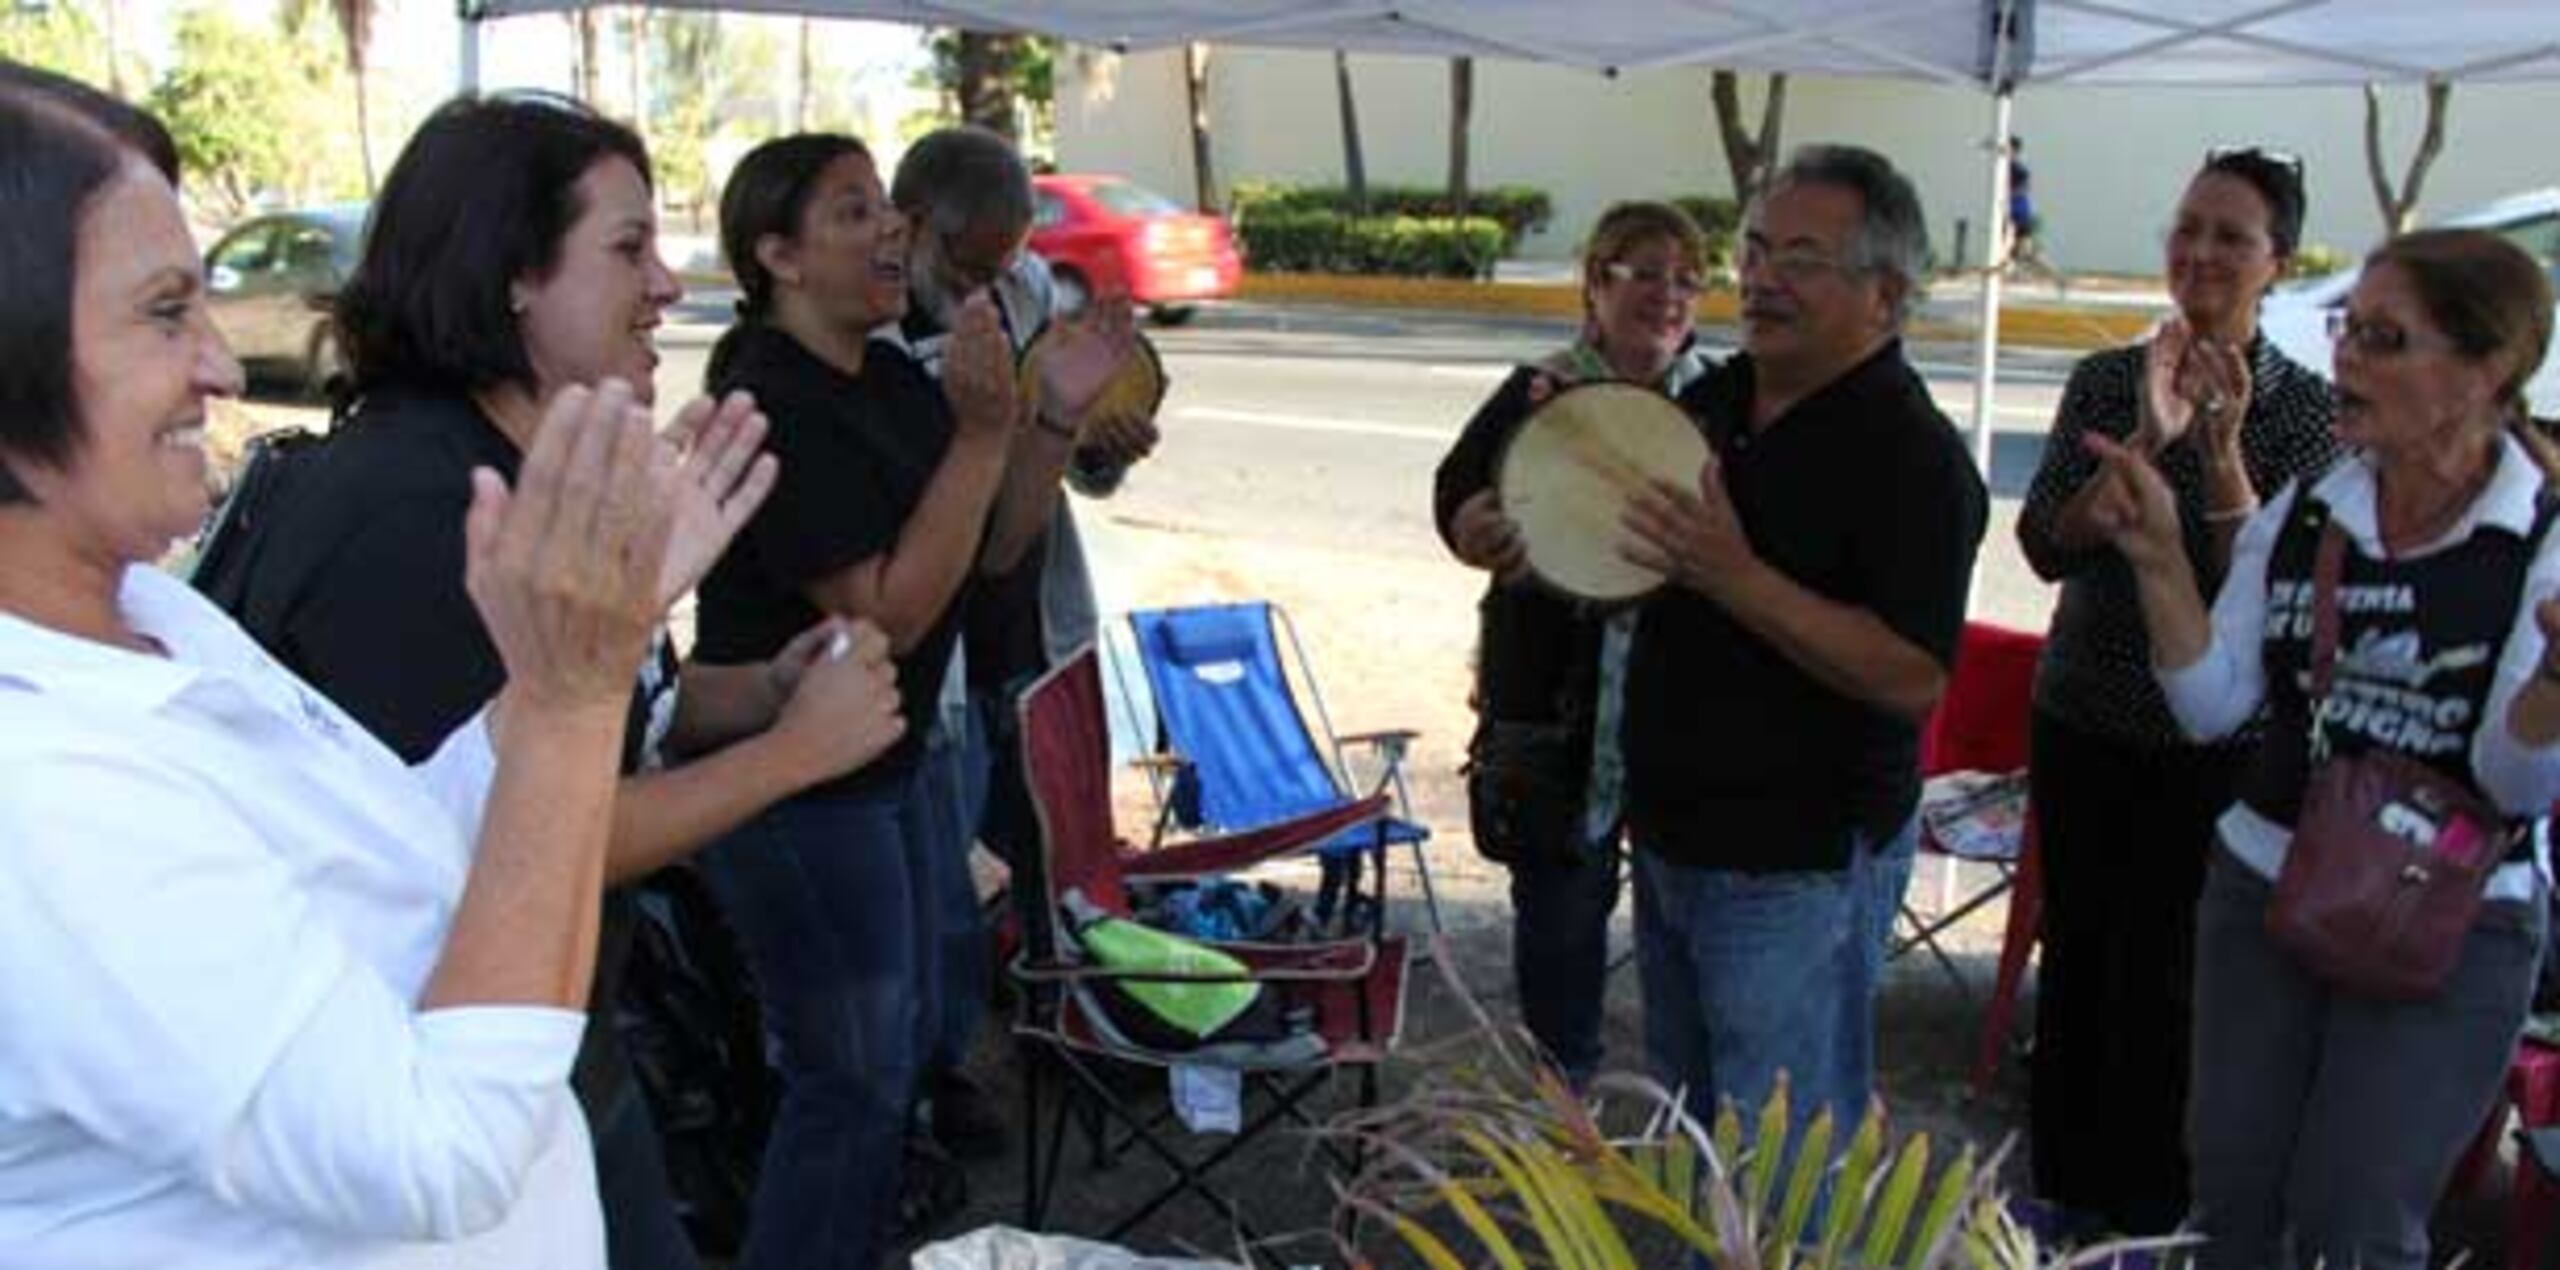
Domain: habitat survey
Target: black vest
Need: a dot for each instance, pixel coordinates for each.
(2418, 647)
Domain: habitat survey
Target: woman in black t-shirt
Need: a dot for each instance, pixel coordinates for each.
(512, 255)
(890, 485)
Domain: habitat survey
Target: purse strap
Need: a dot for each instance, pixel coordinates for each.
(2328, 562)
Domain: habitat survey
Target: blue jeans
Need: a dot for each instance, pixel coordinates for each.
(1746, 975)
(830, 896)
(1560, 953)
(954, 778)
(641, 1229)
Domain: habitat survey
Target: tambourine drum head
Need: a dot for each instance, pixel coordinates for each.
(1569, 471)
(1134, 392)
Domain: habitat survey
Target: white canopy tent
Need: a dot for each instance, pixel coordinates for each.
(1994, 45)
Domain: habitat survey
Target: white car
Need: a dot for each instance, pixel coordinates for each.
(2296, 317)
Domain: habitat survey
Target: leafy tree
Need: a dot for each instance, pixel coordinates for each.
(354, 23)
(67, 36)
(251, 112)
(989, 78)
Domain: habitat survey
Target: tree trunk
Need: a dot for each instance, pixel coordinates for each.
(638, 27)
(355, 27)
(115, 49)
(1355, 169)
(364, 128)
(2400, 210)
(585, 18)
(1195, 75)
(984, 88)
(800, 104)
(1462, 109)
(1748, 157)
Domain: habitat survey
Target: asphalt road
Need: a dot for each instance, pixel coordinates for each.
(1322, 427)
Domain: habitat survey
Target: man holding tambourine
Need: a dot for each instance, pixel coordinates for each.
(1812, 564)
(1818, 567)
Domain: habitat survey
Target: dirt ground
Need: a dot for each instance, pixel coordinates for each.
(1389, 639)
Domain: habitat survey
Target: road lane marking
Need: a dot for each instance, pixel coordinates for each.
(1314, 423)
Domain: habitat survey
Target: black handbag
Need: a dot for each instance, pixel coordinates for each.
(1524, 790)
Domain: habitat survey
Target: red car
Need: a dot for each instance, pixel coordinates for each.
(1101, 235)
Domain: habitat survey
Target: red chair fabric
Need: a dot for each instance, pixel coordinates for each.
(1981, 724)
(2533, 1090)
(1352, 992)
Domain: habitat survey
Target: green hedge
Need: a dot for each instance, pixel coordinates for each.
(1403, 246)
(1521, 210)
(1721, 218)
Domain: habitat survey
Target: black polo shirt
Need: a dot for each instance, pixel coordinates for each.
(1863, 493)
(358, 589)
(857, 452)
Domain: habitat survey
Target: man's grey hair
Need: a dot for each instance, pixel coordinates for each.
(1893, 233)
(954, 179)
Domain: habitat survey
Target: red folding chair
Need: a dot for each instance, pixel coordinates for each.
(1980, 725)
(1353, 991)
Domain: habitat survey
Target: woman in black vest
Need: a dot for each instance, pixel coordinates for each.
(1548, 662)
(2226, 415)
(2319, 1114)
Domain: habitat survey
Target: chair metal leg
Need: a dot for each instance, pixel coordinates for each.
(1031, 1205)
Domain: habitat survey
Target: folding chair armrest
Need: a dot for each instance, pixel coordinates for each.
(1382, 737)
(1071, 972)
(1228, 853)
(1333, 959)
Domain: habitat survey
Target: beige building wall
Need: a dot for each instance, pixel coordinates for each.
(2108, 162)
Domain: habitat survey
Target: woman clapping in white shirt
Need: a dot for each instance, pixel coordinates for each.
(272, 998)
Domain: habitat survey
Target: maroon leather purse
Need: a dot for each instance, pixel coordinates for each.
(2389, 856)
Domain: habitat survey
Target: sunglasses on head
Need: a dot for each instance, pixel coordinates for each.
(2286, 160)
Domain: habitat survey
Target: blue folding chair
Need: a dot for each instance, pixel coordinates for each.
(1241, 754)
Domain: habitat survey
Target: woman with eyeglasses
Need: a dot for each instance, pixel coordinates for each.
(2325, 1119)
(1554, 666)
(275, 997)
(2123, 800)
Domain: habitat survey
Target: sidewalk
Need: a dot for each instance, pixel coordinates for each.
(2091, 313)
(2104, 314)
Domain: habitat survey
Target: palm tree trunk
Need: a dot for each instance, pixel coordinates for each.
(1355, 169)
(1462, 109)
(585, 19)
(364, 128)
(800, 104)
(639, 31)
(1195, 76)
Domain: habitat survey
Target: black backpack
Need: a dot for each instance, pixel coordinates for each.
(235, 535)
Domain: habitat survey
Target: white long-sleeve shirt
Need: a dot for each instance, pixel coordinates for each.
(220, 901)
(2214, 695)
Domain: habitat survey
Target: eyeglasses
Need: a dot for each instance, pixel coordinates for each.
(971, 274)
(2372, 337)
(1681, 281)
(1795, 264)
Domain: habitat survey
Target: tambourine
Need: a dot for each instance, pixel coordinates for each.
(1567, 476)
(1135, 390)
